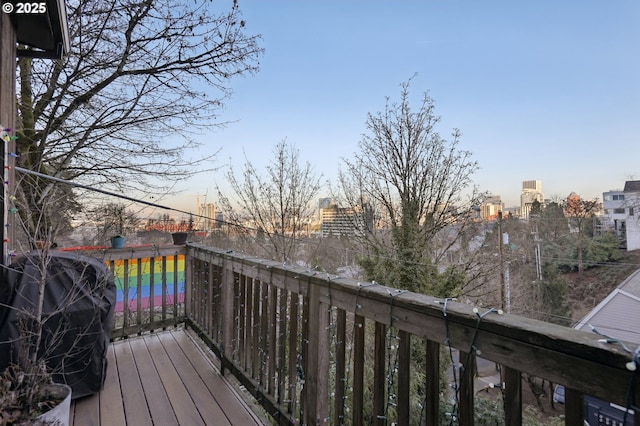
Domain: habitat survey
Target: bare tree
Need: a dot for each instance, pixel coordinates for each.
(112, 219)
(276, 206)
(121, 110)
(580, 213)
(412, 181)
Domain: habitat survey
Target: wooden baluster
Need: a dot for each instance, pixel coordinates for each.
(404, 382)
(379, 378)
(433, 384)
(512, 396)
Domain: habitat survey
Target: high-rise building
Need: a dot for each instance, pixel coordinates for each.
(343, 221)
(206, 217)
(531, 194)
(490, 207)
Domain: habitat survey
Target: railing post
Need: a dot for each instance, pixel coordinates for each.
(227, 314)
(316, 404)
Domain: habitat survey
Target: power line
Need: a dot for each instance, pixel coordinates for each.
(113, 194)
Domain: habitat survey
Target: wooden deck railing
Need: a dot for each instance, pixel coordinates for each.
(315, 348)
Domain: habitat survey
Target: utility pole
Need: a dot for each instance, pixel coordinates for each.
(505, 287)
(537, 240)
(501, 251)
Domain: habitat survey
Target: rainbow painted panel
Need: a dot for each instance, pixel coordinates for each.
(139, 271)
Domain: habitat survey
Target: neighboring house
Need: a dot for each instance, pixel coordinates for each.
(622, 214)
(43, 35)
(617, 316)
(615, 216)
(632, 209)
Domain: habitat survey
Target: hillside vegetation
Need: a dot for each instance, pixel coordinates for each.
(587, 289)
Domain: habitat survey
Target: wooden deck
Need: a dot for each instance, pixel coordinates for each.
(163, 379)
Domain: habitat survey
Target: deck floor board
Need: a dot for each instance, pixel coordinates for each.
(155, 394)
(212, 414)
(110, 399)
(163, 379)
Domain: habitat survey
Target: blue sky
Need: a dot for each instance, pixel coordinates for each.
(546, 90)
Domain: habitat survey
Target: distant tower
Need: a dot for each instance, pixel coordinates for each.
(207, 214)
(531, 192)
(490, 207)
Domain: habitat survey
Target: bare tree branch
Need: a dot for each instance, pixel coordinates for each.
(277, 205)
(122, 109)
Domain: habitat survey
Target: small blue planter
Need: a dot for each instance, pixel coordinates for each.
(117, 242)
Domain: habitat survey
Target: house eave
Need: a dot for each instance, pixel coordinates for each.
(43, 35)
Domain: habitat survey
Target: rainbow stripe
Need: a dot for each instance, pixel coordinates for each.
(136, 273)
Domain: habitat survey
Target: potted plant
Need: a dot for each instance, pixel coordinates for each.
(31, 397)
(179, 238)
(115, 221)
(117, 241)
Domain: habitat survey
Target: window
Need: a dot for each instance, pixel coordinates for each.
(618, 211)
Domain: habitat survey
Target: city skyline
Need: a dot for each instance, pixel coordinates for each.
(539, 90)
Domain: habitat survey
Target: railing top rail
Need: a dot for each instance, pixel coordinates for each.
(134, 252)
(577, 359)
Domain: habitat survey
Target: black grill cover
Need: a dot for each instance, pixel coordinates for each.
(79, 298)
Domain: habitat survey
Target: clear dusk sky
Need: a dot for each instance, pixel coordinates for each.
(541, 90)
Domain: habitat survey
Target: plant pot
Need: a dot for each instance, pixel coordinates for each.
(180, 238)
(117, 242)
(58, 415)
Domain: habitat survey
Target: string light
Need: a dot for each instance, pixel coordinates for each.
(473, 350)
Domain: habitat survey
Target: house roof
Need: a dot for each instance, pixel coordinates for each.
(618, 315)
(46, 31)
(632, 185)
